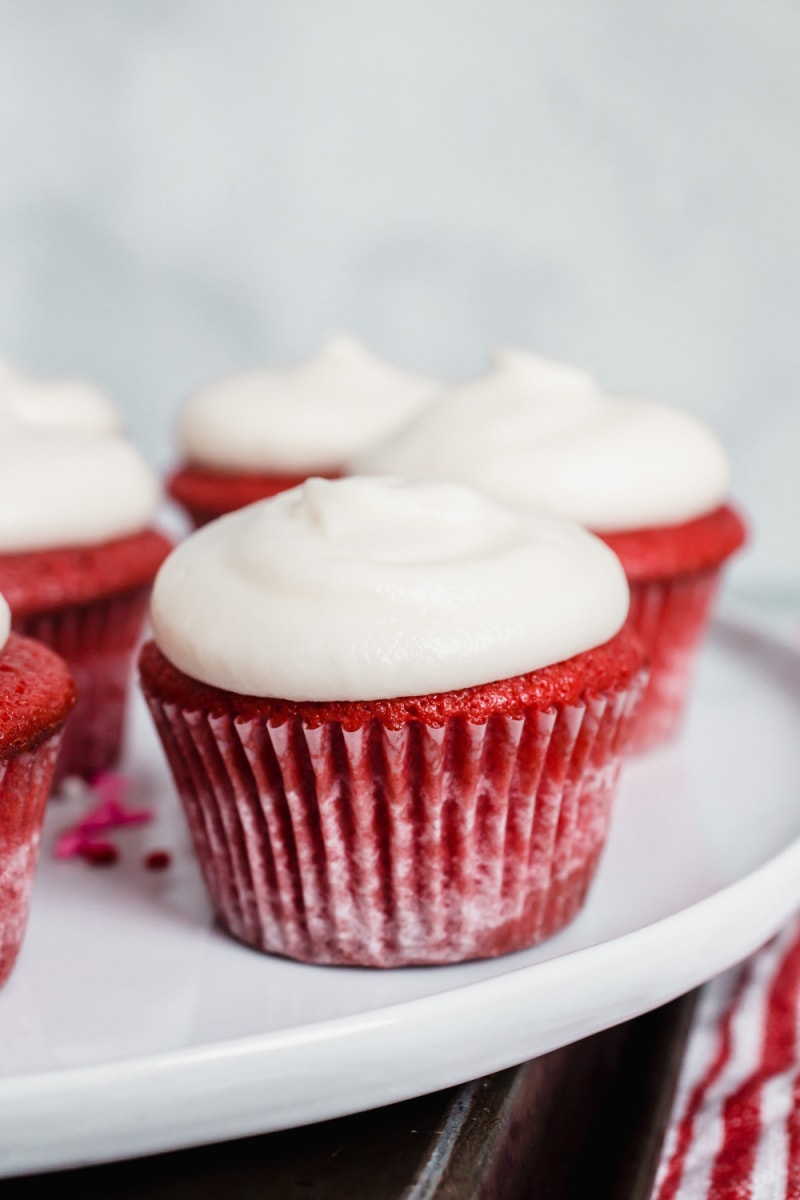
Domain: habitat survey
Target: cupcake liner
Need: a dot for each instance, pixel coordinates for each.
(670, 617)
(674, 573)
(24, 787)
(375, 846)
(97, 640)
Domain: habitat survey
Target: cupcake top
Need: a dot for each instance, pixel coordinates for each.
(368, 589)
(55, 403)
(534, 433)
(313, 416)
(66, 487)
(36, 690)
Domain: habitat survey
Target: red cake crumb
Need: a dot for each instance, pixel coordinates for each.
(206, 493)
(158, 860)
(100, 854)
(41, 580)
(678, 549)
(612, 665)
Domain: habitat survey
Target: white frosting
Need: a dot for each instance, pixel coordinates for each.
(533, 433)
(55, 403)
(365, 589)
(311, 417)
(62, 488)
(5, 621)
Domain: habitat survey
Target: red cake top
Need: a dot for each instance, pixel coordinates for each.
(37, 580)
(210, 492)
(36, 694)
(608, 667)
(678, 549)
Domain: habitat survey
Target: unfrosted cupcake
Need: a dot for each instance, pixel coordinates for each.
(36, 695)
(258, 433)
(395, 715)
(650, 480)
(77, 553)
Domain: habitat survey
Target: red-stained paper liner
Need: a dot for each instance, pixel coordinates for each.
(670, 618)
(384, 847)
(24, 787)
(97, 640)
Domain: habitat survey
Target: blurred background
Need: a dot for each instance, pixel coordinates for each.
(190, 186)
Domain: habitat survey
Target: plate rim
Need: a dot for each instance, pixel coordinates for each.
(219, 1060)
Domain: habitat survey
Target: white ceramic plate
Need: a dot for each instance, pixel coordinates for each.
(132, 1024)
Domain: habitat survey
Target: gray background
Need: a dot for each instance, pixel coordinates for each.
(187, 186)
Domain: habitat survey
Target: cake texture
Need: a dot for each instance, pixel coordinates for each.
(36, 696)
(407, 828)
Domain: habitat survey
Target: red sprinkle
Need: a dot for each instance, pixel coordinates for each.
(158, 860)
(100, 854)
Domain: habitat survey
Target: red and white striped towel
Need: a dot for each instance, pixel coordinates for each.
(735, 1128)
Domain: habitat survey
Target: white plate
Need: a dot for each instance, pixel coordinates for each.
(132, 1024)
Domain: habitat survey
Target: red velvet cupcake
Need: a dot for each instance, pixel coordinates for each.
(36, 695)
(76, 563)
(254, 435)
(354, 794)
(651, 481)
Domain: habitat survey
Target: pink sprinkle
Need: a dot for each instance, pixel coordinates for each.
(112, 787)
(109, 813)
(70, 844)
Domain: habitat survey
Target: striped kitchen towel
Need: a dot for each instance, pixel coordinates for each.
(735, 1127)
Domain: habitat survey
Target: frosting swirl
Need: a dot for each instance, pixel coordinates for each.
(55, 403)
(313, 416)
(366, 589)
(534, 433)
(65, 488)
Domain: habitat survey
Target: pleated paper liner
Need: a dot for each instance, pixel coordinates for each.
(428, 843)
(674, 574)
(97, 640)
(671, 618)
(25, 780)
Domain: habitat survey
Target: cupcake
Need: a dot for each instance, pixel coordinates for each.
(650, 480)
(253, 435)
(36, 695)
(77, 558)
(395, 715)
